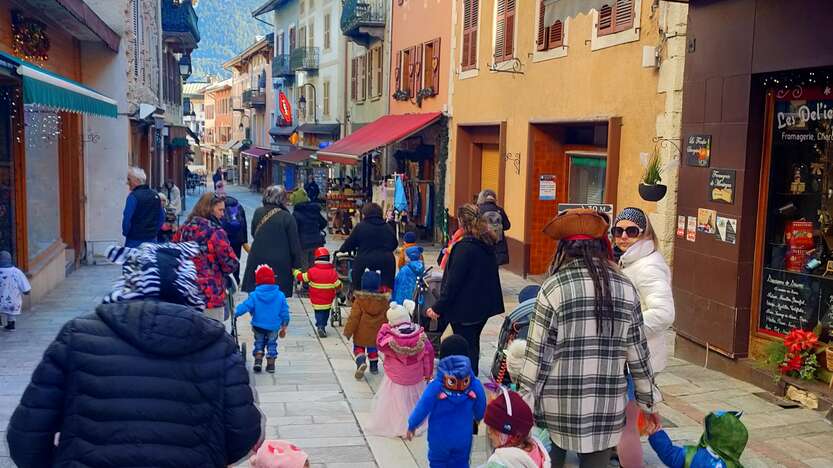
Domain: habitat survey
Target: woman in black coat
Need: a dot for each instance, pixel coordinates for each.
(374, 241)
(470, 291)
(311, 224)
(496, 221)
(145, 380)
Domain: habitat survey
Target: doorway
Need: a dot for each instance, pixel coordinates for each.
(489, 167)
(479, 163)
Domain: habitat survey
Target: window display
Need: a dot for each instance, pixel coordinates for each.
(42, 188)
(7, 232)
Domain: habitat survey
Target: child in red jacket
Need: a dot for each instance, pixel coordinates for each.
(323, 286)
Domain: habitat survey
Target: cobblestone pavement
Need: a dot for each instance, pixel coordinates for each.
(314, 400)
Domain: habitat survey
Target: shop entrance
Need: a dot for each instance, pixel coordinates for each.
(479, 163)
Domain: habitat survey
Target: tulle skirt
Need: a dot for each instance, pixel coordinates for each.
(391, 407)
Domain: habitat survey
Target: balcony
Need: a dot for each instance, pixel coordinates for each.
(281, 67)
(304, 59)
(254, 98)
(179, 25)
(363, 20)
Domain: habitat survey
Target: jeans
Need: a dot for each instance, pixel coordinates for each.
(472, 335)
(321, 317)
(135, 243)
(600, 459)
(267, 339)
(372, 353)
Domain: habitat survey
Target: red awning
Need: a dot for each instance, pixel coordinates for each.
(296, 156)
(384, 131)
(256, 152)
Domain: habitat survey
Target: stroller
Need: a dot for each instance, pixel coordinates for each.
(343, 263)
(425, 296)
(515, 327)
(231, 288)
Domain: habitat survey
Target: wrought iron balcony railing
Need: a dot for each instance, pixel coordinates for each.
(359, 15)
(304, 58)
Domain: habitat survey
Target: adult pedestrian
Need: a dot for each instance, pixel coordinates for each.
(312, 188)
(587, 327)
(143, 211)
(237, 230)
(174, 196)
(216, 258)
(275, 241)
(144, 380)
(218, 176)
(496, 221)
(311, 224)
(374, 243)
(470, 293)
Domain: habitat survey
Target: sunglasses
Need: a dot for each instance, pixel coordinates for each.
(631, 231)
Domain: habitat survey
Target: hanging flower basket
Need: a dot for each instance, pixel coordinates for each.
(652, 192)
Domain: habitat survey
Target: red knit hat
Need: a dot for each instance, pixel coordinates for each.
(508, 413)
(264, 275)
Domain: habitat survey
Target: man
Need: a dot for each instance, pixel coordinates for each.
(312, 189)
(143, 211)
(174, 196)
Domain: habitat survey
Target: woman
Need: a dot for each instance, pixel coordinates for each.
(496, 221)
(163, 386)
(275, 241)
(218, 176)
(374, 243)
(234, 223)
(470, 291)
(586, 327)
(311, 224)
(216, 258)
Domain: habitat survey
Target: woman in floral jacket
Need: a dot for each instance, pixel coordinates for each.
(217, 258)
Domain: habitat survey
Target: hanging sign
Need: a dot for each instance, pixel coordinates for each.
(722, 186)
(547, 188)
(285, 108)
(698, 150)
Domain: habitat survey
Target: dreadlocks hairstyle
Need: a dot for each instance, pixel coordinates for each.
(473, 224)
(595, 255)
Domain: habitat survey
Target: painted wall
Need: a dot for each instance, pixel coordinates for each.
(332, 64)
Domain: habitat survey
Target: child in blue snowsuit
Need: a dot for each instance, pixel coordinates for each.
(451, 402)
(270, 317)
(406, 279)
(720, 446)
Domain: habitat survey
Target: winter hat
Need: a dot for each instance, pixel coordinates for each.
(264, 275)
(529, 292)
(299, 196)
(157, 271)
(726, 436)
(410, 237)
(578, 224)
(509, 414)
(634, 215)
(371, 280)
(454, 345)
(398, 314)
(5, 259)
(278, 454)
(414, 253)
(515, 353)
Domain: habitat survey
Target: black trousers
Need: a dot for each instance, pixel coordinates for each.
(599, 459)
(472, 335)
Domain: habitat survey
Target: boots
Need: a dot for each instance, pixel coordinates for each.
(258, 365)
(374, 366)
(9, 326)
(361, 366)
(270, 365)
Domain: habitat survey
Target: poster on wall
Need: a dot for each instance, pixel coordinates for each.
(706, 221)
(546, 189)
(691, 229)
(698, 150)
(722, 186)
(727, 229)
(680, 226)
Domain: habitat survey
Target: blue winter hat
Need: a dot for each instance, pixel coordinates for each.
(410, 237)
(414, 253)
(455, 366)
(5, 259)
(529, 292)
(371, 280)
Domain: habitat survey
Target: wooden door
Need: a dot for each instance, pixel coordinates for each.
(490, 167)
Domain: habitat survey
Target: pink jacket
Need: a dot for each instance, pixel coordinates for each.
(409, 356)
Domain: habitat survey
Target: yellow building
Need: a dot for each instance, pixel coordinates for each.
(564, 96)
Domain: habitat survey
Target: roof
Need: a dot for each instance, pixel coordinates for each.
(195, 88)
(296, 156)
(270, 5)
(262, 43)
(256, 152)
(382, 132)
(320, 129)
(219, 85)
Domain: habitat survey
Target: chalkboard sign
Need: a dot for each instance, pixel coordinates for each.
(698, 150)
(789, 300)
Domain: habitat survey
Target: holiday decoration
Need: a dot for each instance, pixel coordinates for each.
(796, 355)
(29, 38)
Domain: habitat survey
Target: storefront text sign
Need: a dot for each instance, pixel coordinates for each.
(722, 186)
(804, 121)
(698, 150)
(788, 300)
(602, 208)
(547, 188)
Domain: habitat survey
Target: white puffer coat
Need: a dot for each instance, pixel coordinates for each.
(646, 268)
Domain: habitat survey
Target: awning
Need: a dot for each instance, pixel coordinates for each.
(231, 145)
(297, 156)
(192, 135)
(282, 131)
(256, 152)
(320, 129)
(384, 131)
(44, 88)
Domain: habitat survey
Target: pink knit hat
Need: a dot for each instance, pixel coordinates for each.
(278, 454)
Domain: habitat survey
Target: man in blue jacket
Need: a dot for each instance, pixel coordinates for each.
(143, 211)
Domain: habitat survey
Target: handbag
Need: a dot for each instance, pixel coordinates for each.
(266, 218)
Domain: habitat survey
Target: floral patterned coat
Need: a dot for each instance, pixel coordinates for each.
(216, 258)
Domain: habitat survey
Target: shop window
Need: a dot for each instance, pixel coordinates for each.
(505, 30)
(587, 178)
(471, 10)
(7, 179)
(42, 201)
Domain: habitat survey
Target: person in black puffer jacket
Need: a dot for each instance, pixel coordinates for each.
(145, 380)
(374, 241)
(311, 224)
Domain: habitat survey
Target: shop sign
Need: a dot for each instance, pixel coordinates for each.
(680, 226)
(691, 229)
(804, 121)
(727, 229)
(789, 300)
(546, 188)
(600, 207)
(706, 221)
(722, 186)
(698, 150)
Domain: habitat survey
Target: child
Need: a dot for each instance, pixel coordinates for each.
(409, 240)
(13, 285)
(279, 454)
(168, 229)
(366, 319)
(451, 402)
(270, 317)
(406, 279)
(323, 287)
(509, 421)
(720, 446)
(409, 364)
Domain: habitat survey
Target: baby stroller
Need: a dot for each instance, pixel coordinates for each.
(343, 263)
(426, 294)
(231, 288)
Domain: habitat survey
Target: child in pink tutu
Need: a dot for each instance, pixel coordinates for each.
(409, 365)
(279, 454)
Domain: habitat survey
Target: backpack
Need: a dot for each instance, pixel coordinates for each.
(494, 222)
(231, 222)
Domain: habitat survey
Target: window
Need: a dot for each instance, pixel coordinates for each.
(302, 36)
(471, 9)
(327, 31)
(362, 77)
(354, 68)
(292, 42)
(311, 104)
(550, 32)
(209, 112)
(326, 99)
(301, 7)
(431, 66)
(616, 18)
(43, 204)
(311, 32)
(408, 72)
(377, 54)
(505, 30)
(587, 178)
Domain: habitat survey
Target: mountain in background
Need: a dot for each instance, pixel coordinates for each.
(226, 29)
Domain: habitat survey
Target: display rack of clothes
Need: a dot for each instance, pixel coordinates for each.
(420, 195)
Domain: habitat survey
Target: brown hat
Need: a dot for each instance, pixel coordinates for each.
(582, 222)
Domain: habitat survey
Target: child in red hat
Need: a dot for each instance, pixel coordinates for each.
(510, 422)
(323, 287)
(270, 317)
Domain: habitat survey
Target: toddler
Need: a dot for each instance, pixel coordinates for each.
(367, 316)
(13, 285)
(406, 279)
(509, 421)
(279, 454)
(270, 317)
(408, 241)
(409, 364)
(451, 402)
(323, 287)
(720, 446)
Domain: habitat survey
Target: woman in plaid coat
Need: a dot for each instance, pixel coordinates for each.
(587, 326)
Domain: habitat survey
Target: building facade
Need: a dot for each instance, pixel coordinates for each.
(365, 25)
(217, 148)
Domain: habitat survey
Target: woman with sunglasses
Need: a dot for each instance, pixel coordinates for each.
(642, 263)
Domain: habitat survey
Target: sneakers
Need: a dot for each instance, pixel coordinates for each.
(258, 365)
(270, 365)
(361, 366)
(374, 367)
(9, 326)
(322, 333)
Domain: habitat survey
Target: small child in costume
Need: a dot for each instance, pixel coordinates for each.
(13, 285)
(367, 316)
(451, 402)
(409, 365)
(279, 454)
(406, 279)
(323, 287)
(720, 446)
(408, 241)
(509, 421)
(270, 317)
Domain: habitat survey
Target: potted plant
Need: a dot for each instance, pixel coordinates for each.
(650, 188)
(796, 356)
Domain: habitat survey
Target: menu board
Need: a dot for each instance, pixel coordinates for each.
(789, 300)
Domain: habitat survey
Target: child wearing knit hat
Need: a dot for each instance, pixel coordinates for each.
(367, 316)
(270, 317)
(408, 240)
(509, 421)
(406, 280)
(279, 454)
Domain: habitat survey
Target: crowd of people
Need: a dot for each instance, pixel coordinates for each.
(177, 393)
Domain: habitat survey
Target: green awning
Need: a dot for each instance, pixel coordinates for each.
(583, 161)
(45, 88)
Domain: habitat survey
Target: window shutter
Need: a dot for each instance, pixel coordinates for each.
(368, 68)
(500, 30)
(362, 78)
(543, 33)
(605, 25)
(556, 33)
(417, 68)
(411, 65)
(470, 12)
(623, 16)
(326, 103)
(379, 75)
(353, 75)
(435, 66)
(509, 30)
(398, 72)
(327, 21)
(311, 32)
(291, 39)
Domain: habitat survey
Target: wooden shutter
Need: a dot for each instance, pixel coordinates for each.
(435, 66)
(556, 35)
(500, 31)
(379, 74)
(411, 64)
(417, 68)
(326, 103)
(605, 25)
(623, 15)
(311, 32)
(509, 21)
(291, 39)
(398, 72)
(327, 21)
(368, 69)
(353, 75)
(362, 78)
(471, 9)
(543, 31)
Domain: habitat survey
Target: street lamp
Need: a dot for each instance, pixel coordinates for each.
(302, 102)
(185, 66)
